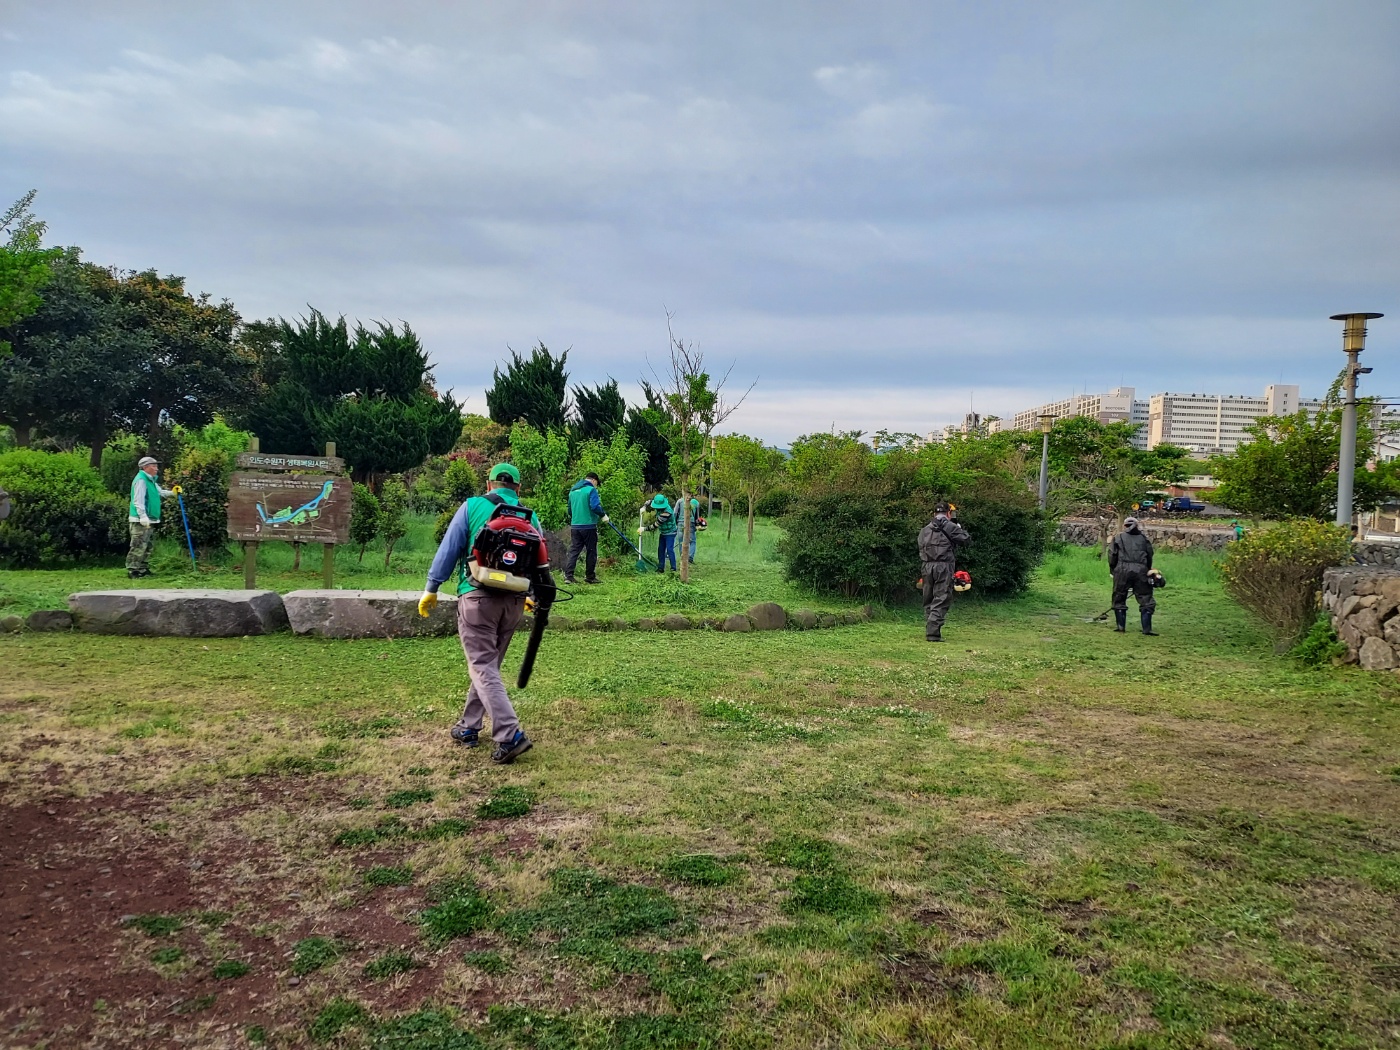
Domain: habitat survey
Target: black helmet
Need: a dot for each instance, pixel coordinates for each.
(942, 507)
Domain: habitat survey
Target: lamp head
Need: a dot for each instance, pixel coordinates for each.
(1047, 422)
(1354, 330)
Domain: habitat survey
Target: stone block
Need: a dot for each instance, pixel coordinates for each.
(617, 623)
(560, 623)
(646, 623)
(1368, 602)
(867, 612)
(805, 619)
(179, 614)
(590, 624)
(1349, 606)
(49, 620)
(368, 614)
(739, 624)
(1366, 622)
(826, 620)
(676, 622)
(1390, 630)
(1376, 655)
(768, 616)
(10, 624)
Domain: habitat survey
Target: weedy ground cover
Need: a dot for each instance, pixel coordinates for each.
(1039, 834)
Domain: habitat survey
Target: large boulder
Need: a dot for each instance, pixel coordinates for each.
(739, 623)
(368, 614)
(1376, 655)
(179, 614)
(676, 622)
(805, 619)
(768, 616)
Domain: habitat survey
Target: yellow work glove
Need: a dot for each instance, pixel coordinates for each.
(177, 490)
(427, 603)
(605, 519)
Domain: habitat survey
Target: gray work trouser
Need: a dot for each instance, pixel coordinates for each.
(485, 623)
(938, 595)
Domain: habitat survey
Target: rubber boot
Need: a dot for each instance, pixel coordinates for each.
(1121, 615)
(1147, 624)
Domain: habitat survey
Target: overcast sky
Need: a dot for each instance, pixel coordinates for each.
(881, 211)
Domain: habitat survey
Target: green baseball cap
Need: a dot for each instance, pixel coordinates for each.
(504, 470)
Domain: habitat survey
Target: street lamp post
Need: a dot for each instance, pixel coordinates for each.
(710, 510)
(1353, 342)
(1046, 422)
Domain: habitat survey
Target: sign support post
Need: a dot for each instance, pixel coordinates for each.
(250, 547)
(328, 549)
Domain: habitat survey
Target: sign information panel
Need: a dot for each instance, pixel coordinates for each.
(297, 508)
(268, 461)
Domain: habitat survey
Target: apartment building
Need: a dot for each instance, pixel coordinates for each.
(1118, 405)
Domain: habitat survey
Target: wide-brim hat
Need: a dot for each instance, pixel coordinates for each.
(660, 501)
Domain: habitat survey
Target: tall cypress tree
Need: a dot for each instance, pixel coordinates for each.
(532, 389)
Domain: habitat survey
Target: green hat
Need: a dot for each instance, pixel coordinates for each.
(504, 470)
(660, 501)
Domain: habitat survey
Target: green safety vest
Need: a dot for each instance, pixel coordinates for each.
(152, 498)
(580, 513)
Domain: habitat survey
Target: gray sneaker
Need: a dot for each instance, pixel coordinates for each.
(505, 754)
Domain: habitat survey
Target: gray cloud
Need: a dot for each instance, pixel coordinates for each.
(877, 211)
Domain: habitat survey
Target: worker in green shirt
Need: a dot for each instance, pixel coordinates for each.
(660, 515)
(143, 515)
(585, 513)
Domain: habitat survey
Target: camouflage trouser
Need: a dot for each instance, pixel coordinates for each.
(140, 552)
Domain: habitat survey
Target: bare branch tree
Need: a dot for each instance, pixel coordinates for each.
(695, 409)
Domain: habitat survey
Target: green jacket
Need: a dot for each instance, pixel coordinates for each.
(585, 508)
(144, 490)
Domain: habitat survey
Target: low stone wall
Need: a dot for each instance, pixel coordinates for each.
(1083, 532)
(1364, 604)
(359, 614)
(1386, 555)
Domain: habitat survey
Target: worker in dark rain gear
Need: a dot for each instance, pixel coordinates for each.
(1130, 561)
(938, 549)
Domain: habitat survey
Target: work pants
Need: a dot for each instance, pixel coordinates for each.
(139, 554)
(1132, 578)
(485, 623)
(938, 596)
(666, 548)
(582, 538)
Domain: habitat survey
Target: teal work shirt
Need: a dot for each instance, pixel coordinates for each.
(456, 545)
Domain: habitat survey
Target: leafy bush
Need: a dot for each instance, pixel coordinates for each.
(217, 436)
(203, 474)
(364, 517)
(459, 481)
(393, 524)
(1276, 573)
(440, 526)
(1320, 646)
(119, 461)
(772, 504)
(61, 510)
(1008, 533)
(854, 543)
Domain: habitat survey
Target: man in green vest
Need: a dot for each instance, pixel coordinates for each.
(486, 617)
(143, 515)
(585, 513)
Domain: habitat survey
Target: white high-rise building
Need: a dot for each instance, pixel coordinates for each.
(1119, 405)
(1210, 424)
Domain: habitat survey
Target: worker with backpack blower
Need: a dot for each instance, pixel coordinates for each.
(585, 512)
(661, 516)
(938, 556)
(497, 546)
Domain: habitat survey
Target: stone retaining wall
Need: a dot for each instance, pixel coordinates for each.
(359, 614)
(1386, 555)
(1081, 532)
(1364, 604)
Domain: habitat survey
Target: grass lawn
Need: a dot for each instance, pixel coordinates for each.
(1040, 834)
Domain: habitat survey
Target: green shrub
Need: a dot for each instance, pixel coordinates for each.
(440, 526)
(393, 508)
(772, 504)
(1320, 646)
(856, 543)
(459, 481)
(119, 461)
(1276, 573)
(1008, 533)
(61, 510)
(203, 475)
(364, 517)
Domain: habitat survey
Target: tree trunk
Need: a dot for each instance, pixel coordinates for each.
(753, 502)
(152, 429)
(686, 526)
(730, 534)
(296, 556)
(23, 434)
(95, 455)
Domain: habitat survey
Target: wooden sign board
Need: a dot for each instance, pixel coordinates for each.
(267, 461)
(297, 508)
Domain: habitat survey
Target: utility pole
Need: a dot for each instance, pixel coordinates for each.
(1353, 342)
(1046, 422)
